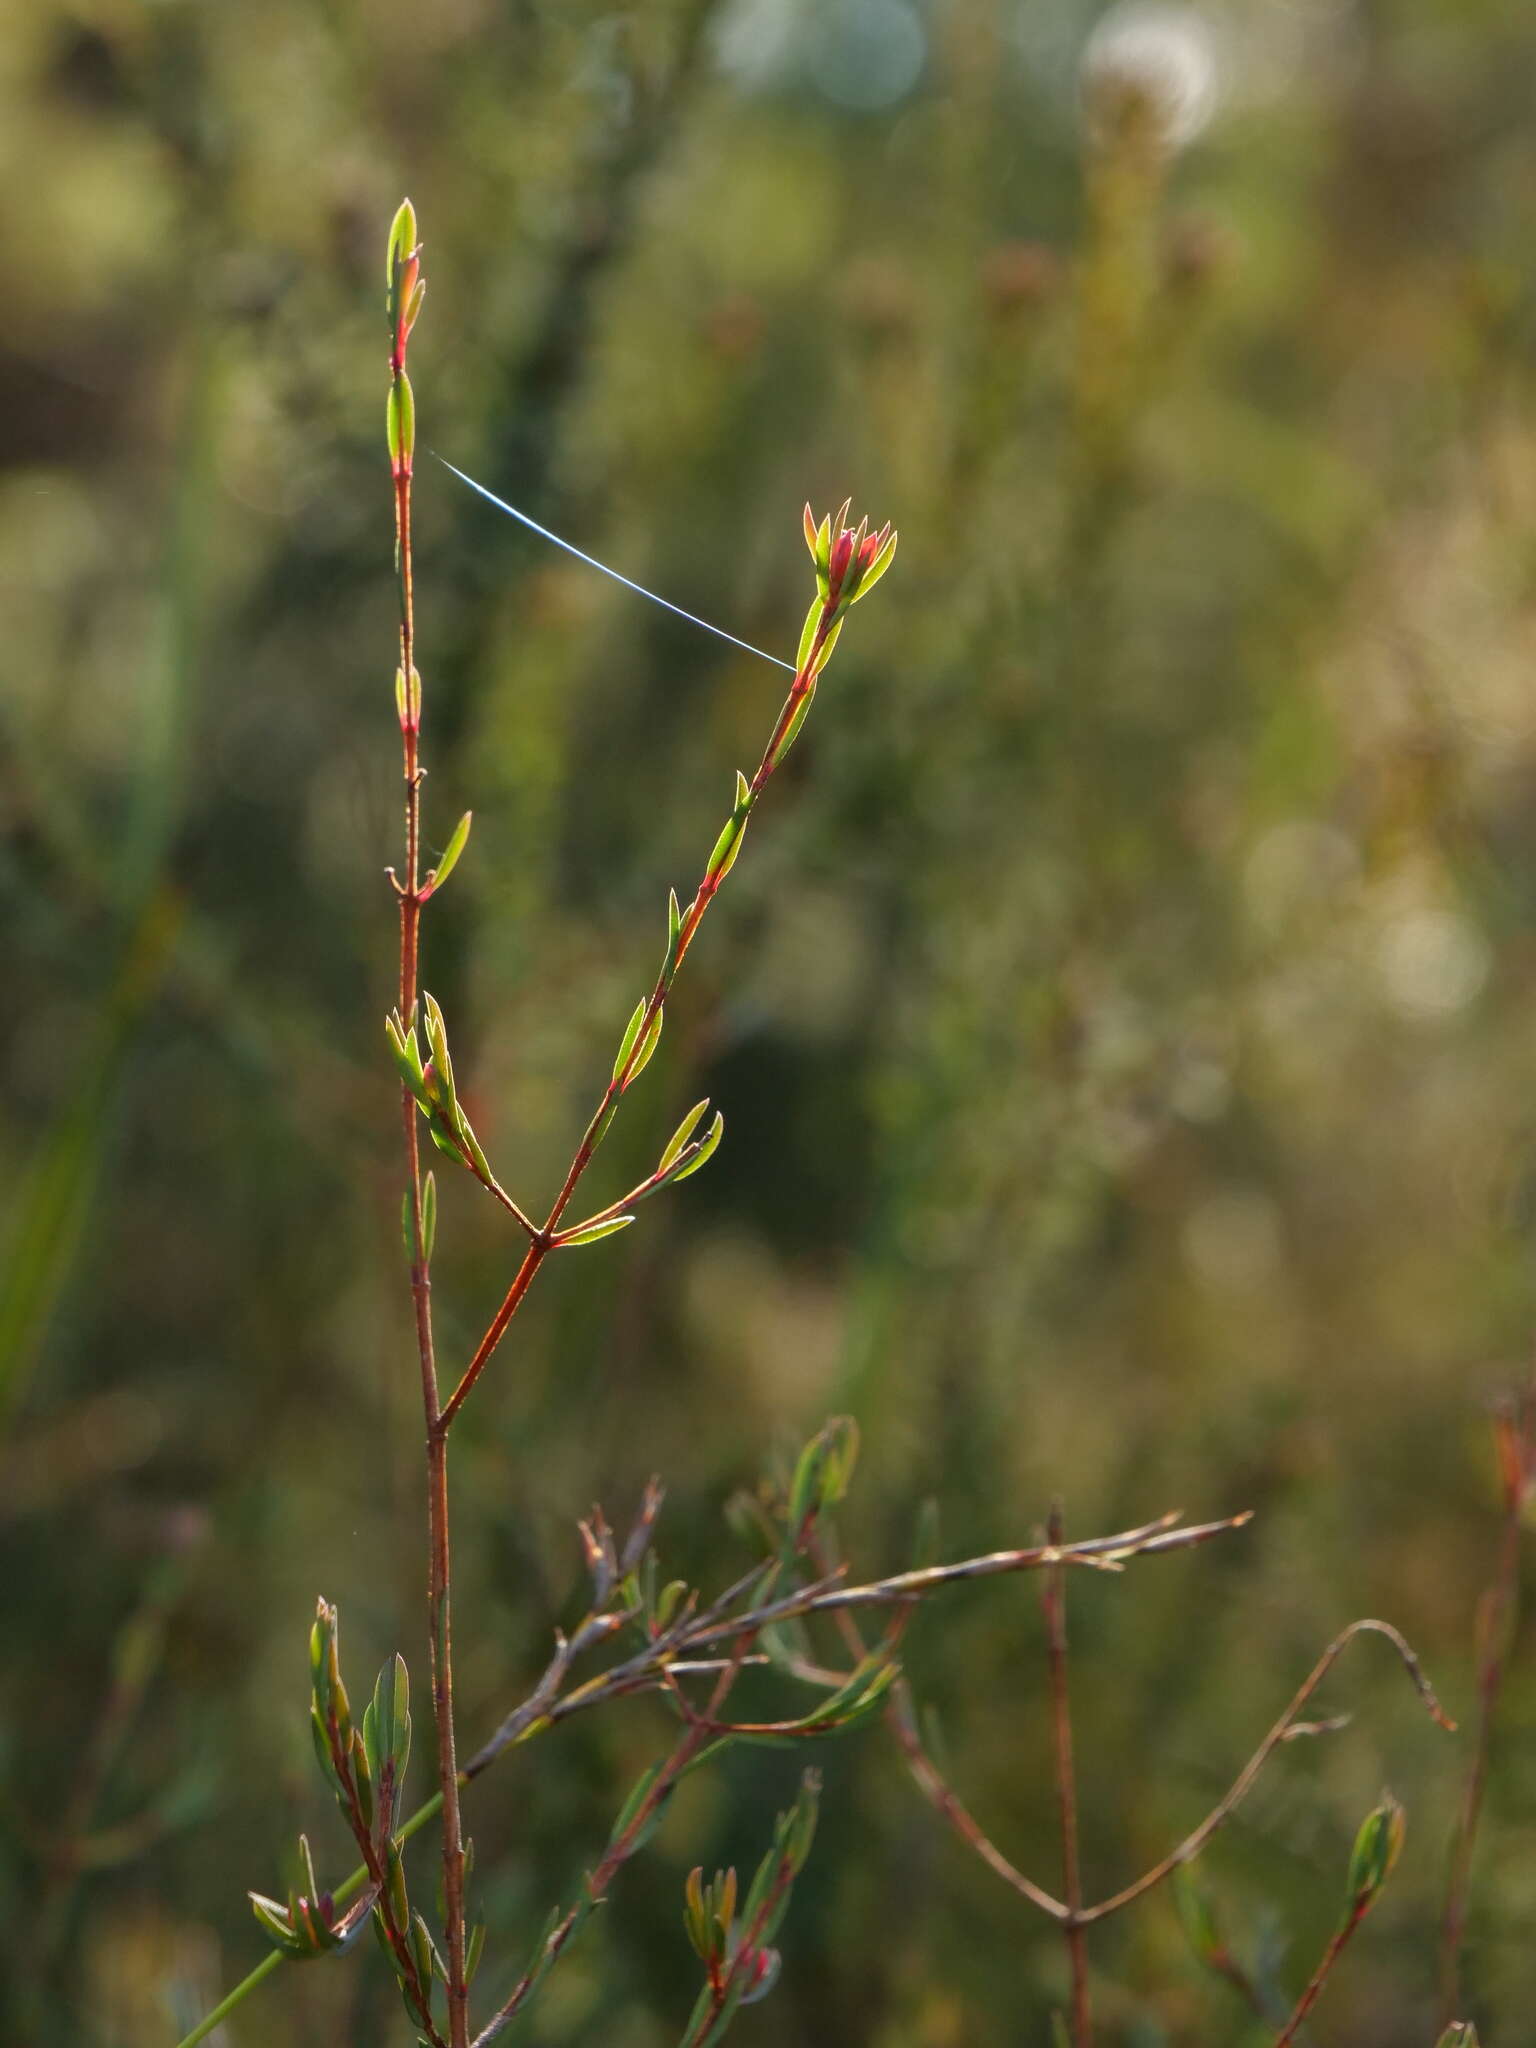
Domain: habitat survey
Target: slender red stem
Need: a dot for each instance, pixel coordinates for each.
(439, 1544)
(1321, 1974)
(1073, 1931)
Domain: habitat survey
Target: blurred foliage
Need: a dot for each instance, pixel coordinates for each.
(1122, 1018)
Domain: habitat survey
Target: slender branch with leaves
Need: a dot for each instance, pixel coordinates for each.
(667, 1640)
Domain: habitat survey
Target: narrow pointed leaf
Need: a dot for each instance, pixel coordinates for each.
(457, 842)
(876, 569)
(824, 654)
(400, 421)
(402, 240)
(723, 855)
(631, 1033)
(589, 1233)
(646, 1047)
(674, 933)
(808, 635)
(706, 1148)
(682, 1134)
(792, 730)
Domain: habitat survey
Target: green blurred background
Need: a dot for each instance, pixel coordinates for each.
(1122, 1013)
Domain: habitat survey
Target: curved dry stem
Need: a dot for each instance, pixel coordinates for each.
(1242, 1784)
(942, 1796)
(937, 1789)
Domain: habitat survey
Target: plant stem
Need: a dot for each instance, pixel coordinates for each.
(1055, 1604)
(272, 1960)
(1496, 1616)
(348, 1889)
(439, 1544)
(1320, 1975)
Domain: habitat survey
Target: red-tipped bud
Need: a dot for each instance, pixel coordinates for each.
(848, 561)
(837, 566)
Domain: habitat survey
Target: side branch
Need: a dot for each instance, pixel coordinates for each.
(721, 860)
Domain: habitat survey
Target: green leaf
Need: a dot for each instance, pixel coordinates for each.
(707, 1145)
(330, 1695)
(542, 1958)
(674, 933)
(723, 856)
(322, 1634)
(876, 569)
(387, 1731)
(631, 1033)
(1376, 1849)
(407, 1057)
(667, 1602)
(272, 1918)
(822, 555)
(402, 240)
(362, 1777)
(437, 1042)
(446, 1143)
(400, 421)
(457, 842)
(808, 635)
(698, 1915)
(395, 1875)
(428, 1219)
(647, 1045)
(793, 1833)
(589, 1233)
(823, 1471)
(633, 1805)
(824, 653)
(681, 1135)
(311, 1882)
(797, 719)
(322, 1746)
(424, 1952)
